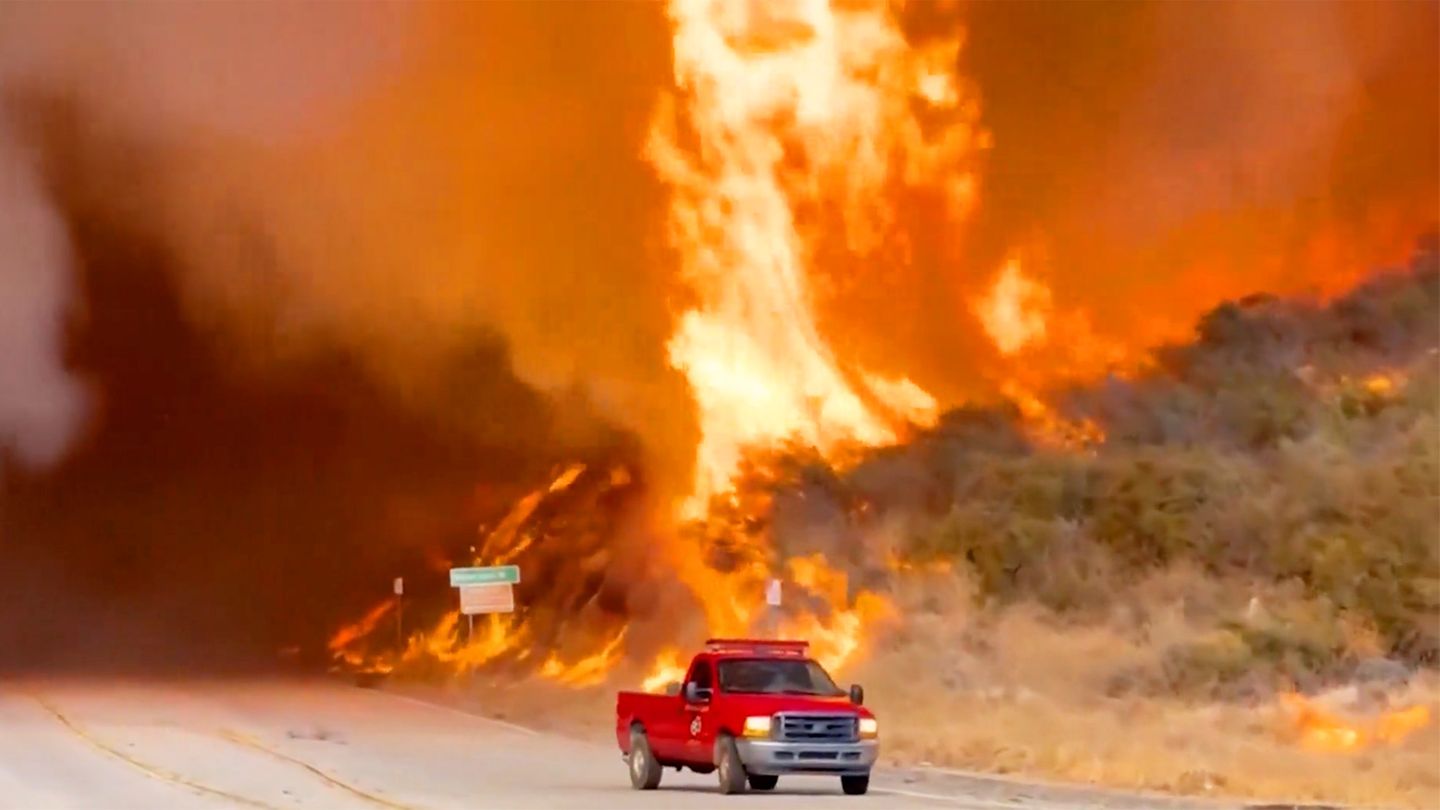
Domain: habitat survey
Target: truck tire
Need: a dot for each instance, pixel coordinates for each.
(760, 781)
(728, 765)
(644, 769)
(855, 785)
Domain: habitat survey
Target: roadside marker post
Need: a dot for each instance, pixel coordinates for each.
(772, 593)
(484, 590)
(772, 606)
(399, 614)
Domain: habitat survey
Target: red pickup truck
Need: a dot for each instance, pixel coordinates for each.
(749, 711)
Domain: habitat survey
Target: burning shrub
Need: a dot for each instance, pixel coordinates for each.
(1291, 451)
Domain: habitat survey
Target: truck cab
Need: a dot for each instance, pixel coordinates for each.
(750, 711)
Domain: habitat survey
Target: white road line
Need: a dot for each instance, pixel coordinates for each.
(153, 771)
(334, 781)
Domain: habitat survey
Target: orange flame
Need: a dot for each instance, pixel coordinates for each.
(495, 635)
(669, 667)
(498, 635)
(1044, 345)
(834, 639)
(589, 670)
(1384, 383)
(350, 633)
(1016, 311)
(1321, 730)
(1046, 426)
(1393, 727)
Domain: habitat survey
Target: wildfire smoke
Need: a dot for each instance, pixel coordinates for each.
(344, 297)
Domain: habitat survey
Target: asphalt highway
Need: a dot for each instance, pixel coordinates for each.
(324, 744)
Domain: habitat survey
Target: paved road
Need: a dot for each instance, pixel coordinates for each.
(321, 744)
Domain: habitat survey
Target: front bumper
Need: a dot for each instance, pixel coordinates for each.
(772, 757)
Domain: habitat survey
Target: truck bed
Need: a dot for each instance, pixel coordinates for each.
(643, 707)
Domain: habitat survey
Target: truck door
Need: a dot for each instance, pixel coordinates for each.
(670, 727)
(699, 734)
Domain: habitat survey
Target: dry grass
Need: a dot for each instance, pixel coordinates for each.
(1149, 744)
(1031, 710)
(1011, 692)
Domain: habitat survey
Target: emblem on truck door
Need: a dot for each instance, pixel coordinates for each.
(695, 726)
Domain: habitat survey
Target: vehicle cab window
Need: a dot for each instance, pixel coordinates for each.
(768, 676)
(702, 678)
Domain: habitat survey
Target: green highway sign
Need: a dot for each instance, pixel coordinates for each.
(508, 574)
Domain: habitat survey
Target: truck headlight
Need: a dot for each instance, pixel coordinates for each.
(757, 726)
(869, 728)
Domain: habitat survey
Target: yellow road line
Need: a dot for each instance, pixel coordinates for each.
(146, 768)
(251, 742)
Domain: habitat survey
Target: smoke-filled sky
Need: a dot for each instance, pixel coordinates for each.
(282, 284)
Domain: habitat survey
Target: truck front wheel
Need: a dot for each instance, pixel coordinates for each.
(855, 785)
(644, 769)
(727, 764)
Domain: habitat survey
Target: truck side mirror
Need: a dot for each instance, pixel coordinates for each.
(857, 694)
(694, 693)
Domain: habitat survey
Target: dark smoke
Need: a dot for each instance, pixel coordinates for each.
(229, 515)
(335, 299)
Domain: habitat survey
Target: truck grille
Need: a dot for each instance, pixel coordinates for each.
(801, 727)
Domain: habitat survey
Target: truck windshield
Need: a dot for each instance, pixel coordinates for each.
(769, 676)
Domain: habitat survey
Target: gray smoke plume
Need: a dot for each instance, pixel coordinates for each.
(41, 405)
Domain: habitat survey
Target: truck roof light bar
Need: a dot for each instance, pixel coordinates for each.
(756, 645)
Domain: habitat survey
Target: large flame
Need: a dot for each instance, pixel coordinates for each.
(786, 115)
(795, 130)
(789, 114)
(789, 110)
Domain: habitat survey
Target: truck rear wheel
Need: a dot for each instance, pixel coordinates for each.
(644, 769)
(855, 785)
(727, 764)
(760, 781)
